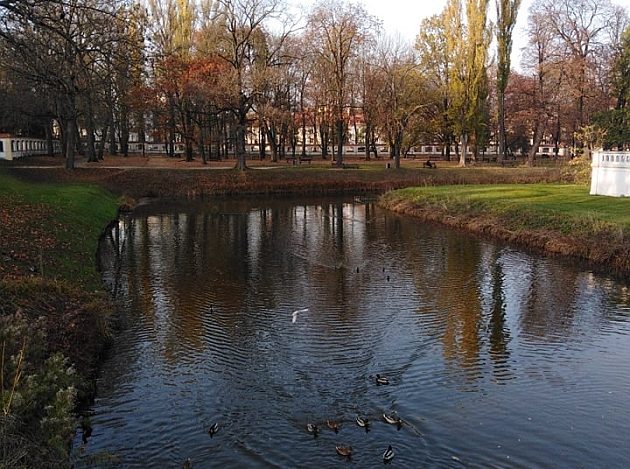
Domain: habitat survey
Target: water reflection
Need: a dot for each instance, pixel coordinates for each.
(471, 335)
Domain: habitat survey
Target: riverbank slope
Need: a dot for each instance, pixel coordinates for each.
(550, 218)
(54, 313)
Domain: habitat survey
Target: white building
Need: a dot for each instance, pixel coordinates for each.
(610, 173)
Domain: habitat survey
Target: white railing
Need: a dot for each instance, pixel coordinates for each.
(610, 173)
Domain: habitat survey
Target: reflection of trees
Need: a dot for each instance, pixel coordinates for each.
(253, 264)
(461, 334)
(499, 332)
(549, 310)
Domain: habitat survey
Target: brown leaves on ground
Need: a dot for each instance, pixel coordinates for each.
(25, 233)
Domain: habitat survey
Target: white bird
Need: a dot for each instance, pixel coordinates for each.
(296, 312)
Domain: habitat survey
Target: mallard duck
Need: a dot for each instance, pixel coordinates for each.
(363, 423)
(312, 428)
(213, 429)
(381, 380)
(388, 455)
(345, 451)
(187, 464)
(393, 419)
(333, 425)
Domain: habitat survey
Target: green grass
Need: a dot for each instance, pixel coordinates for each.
(71, 215)
(568, 208)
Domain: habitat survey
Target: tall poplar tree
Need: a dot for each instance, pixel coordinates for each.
(507, 11)
(467, 44)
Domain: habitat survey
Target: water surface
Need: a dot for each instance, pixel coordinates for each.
(496, 357)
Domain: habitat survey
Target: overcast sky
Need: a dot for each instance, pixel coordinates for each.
(404, 17)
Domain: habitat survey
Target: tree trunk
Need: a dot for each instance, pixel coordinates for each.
(71, 132)
(368, 131)
(397, 145)
(324, 139)
(50, 148)
(113, 150)
(502, 150)
(538, 136)
(339, 125)
(90, 128)
(124, 132)
(188, 138)
(101, 144)
(464, 151)
(262, 152)
(202, 143)
(239, 144)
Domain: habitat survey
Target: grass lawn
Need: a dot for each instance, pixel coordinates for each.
(549, 201)
(52, 228)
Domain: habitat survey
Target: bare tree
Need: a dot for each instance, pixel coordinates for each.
(338, 31)
(55, 45)
(240, 42)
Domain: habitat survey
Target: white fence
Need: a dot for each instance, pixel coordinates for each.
(610, 173)
(17, 147)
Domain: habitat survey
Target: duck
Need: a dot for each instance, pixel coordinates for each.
(312, 428)
(86, 430)
(393, 419)
(345, 451)
(381, 380)
(388, 455)
(213, 429)
(364, 423)
(333, 425)
(187, 464)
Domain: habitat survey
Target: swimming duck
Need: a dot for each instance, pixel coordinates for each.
(213, 429)
(364, 423)
(312, 428)
(86, 430)
(381, 380)
(388, 455)
(187, 464)
(333, 425)
(393, 419)
(345, 451)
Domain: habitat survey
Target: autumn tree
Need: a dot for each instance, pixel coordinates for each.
(338, 31)
(241, 42)
(436, 64)
(580, 30)
(467, 43)
(507, 11)
(402, 96)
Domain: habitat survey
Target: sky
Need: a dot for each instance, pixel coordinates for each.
(404, 17)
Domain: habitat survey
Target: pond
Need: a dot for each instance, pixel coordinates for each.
(266, 315)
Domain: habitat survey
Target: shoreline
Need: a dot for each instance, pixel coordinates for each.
(607, 253)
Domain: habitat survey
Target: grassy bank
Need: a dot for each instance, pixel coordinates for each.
(316, 180)
(552, 218)
(53, 319)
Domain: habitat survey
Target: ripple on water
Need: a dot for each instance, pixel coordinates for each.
(495, 357)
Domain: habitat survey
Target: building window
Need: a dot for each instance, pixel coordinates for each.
(1, 147)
